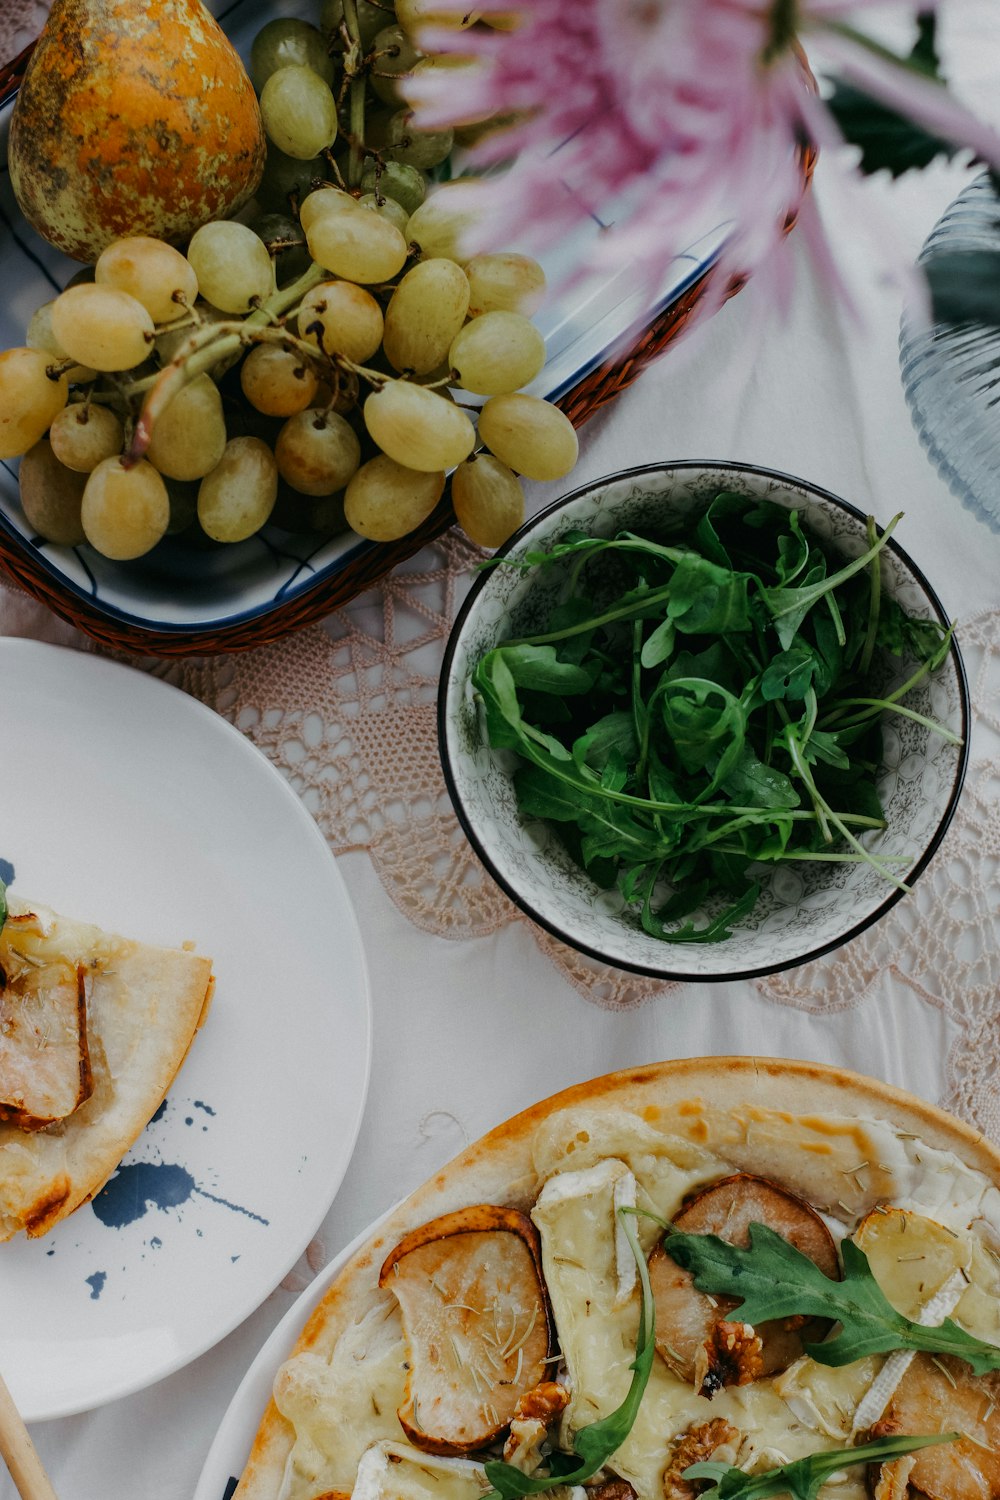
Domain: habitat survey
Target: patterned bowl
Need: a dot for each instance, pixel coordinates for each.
(804, 909)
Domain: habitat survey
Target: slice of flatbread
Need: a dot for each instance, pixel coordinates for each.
(104, 1065)
(843, 1142)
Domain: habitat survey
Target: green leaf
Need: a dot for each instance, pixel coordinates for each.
(771, 1279)
(705, 597)
(805, 1477)
(888, 140)
(755, 784)
(538, 668)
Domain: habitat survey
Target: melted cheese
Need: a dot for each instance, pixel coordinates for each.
(396, 1471)
(341, 1406)
(575, 1216)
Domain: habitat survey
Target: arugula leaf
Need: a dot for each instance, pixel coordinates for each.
(688, 711)
(771, 1279)
(594, 1444)
(804, 1478)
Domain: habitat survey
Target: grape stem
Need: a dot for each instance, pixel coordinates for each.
(355, 159)
(205, 348)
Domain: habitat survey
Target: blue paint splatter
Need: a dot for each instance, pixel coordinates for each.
(156, 1243)
(206, 1107)
(96, 1284)
(139, 1185)
(6, 872)
(188, 1120)
(133, 1188)
(159, 1113)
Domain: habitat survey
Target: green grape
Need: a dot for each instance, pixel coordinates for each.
(29, 399)
(417, 427)
(416, 13)
(396, 138)
(424, 314)
(299, 112)
(386, 500)
(189, 435)
(232, 265)
(286, 180)
(386, 208)
(371, 19)
(277, 381)
(102, 327)
(504, 282)
(317, 452)
(488, 500)
(152, 272)
(125, 511)
(395, 180)
(40, 336)
(236, 498)
(341, 318)
(531, 436)
(83, 434)
(286, 245)
(438, 64)
(443, 220)
(286, 41)
(497, 353)
(359, 246)
(395, 55)
(51, 496)
(322, 201)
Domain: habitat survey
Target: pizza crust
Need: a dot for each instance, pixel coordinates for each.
(840, 1140)
(145, 1005)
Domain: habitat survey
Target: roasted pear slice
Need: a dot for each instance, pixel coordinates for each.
(941, 1394)
(693, 1332)
(44, 1056)
(476, 1316)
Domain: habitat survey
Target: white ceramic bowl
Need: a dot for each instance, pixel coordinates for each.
(804, 909)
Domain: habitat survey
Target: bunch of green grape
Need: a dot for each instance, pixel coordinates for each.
(304, 364)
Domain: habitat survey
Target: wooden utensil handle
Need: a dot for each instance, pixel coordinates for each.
(18, 1452)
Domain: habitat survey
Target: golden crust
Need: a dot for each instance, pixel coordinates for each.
(804, 1124)
(145, 1006)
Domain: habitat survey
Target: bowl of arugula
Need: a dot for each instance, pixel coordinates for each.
(703, 720)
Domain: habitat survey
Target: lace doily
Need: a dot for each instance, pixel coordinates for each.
(347, 712)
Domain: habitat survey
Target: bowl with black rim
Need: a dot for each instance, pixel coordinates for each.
(720, 747)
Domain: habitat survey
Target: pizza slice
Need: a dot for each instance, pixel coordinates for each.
(93, 1029)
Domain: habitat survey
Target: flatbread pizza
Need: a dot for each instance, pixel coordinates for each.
(737, 1275)
(93, 1029)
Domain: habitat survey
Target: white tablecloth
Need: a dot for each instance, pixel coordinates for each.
(466, 1033)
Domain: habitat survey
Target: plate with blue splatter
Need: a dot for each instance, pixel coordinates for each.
(126, 802)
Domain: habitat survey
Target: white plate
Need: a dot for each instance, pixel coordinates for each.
(125, 802)
(175, 588)
(231, 1448)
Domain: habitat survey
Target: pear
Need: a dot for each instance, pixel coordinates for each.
(135, 117)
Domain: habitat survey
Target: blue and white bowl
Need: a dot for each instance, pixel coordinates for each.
(804, 910)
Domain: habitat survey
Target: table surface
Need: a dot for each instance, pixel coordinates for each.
(475, 1013)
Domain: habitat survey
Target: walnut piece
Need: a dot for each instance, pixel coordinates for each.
(693, 1447)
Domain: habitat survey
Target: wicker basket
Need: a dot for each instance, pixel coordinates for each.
(592, 392)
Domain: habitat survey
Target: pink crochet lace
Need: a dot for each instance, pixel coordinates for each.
(347, 712)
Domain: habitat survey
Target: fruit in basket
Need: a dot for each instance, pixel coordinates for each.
(305, 364)
(135, 117)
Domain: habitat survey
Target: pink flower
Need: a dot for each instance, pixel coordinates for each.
(665, 116)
